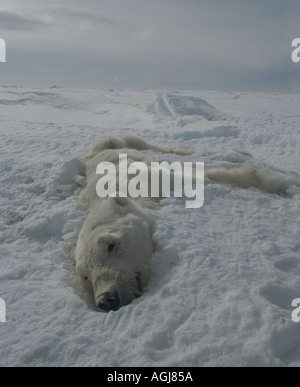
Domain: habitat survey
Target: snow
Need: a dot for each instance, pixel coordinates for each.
(178, 106)
(223, 276)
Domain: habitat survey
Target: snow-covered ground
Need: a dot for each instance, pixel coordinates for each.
(223, 277)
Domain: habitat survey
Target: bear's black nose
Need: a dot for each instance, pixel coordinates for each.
(109, 301)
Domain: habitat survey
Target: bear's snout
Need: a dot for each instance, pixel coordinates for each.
(109, 301)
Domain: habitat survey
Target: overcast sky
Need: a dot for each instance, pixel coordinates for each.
(191, 44)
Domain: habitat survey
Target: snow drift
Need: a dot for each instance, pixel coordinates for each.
(223, 278)
(176, 106)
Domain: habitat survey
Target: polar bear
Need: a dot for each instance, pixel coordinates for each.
(115, 243)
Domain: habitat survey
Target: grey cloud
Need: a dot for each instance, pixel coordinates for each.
(13, 21)
(70, 15)
(170, 43)
(75, 15)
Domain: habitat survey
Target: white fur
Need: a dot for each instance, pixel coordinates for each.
(122, 222)
(115, 242)
(130, 228)
(246, 176)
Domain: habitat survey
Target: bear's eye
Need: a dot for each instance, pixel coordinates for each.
(110, 247)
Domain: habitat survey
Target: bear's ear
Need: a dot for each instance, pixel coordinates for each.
(109, 243)
(111, 246)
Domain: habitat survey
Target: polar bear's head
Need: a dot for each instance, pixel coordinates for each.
(113, 250)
